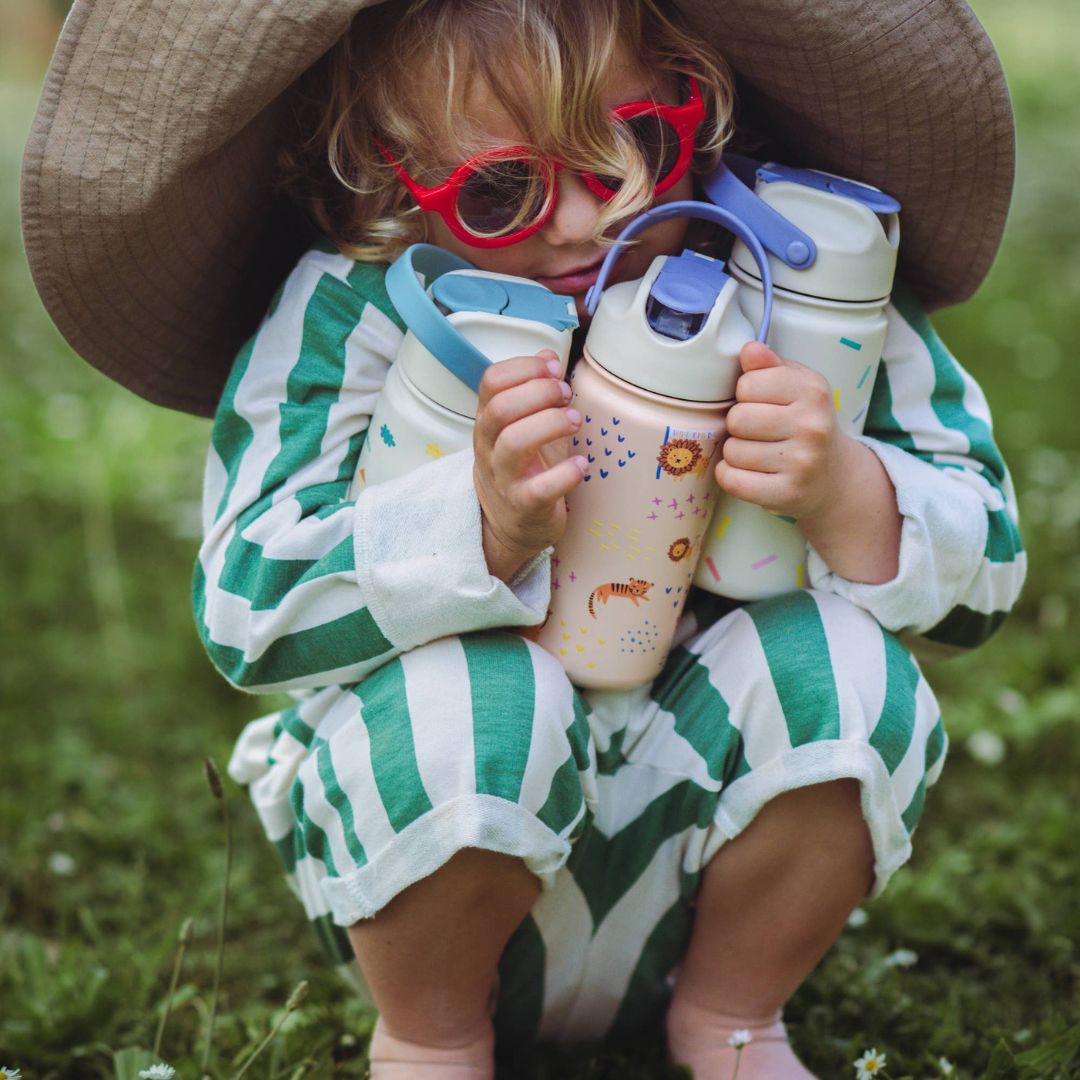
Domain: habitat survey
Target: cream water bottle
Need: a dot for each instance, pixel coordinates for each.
(655, 381)
(832, 249)
(460, 322)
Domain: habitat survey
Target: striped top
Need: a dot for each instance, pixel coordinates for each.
(301, 582)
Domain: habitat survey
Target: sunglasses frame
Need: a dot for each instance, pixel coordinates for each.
(442, 199)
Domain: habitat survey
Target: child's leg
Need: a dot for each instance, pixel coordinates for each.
(823, 738)
(435, 798)
(430, 958)
(771, 903)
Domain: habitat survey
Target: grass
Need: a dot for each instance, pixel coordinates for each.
(109, 838)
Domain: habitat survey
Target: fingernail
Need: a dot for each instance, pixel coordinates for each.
(582, 464)
(573, 416)
(567, 393)
(554, 367)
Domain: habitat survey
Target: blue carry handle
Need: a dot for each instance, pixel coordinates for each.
(689, 209)
(423, 317)
(518, 299)
(732, 185)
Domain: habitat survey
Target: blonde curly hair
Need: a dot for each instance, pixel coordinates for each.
(545, 62)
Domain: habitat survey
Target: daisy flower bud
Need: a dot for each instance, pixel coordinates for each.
(213, 778)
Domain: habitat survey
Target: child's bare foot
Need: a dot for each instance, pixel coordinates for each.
(398, 1059)
(709, 1043)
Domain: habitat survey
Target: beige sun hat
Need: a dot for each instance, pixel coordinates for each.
(155, 239)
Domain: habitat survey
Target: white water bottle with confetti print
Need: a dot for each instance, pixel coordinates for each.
(459, 321)
(653, 386)
(829, 314)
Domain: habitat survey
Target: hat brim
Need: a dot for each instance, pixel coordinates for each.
(906, 95)
(155, 239)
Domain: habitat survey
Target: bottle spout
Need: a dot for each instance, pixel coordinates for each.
(683, 295)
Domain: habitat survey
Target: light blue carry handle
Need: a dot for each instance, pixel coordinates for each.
(690, 209)
(424, 319)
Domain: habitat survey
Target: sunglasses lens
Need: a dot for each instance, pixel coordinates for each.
(501, 197)
(658, 144)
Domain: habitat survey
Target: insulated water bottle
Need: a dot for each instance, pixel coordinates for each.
(655, 381)
(463, 320)
(832, 250)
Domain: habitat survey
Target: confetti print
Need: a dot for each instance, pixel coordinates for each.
(640, 639)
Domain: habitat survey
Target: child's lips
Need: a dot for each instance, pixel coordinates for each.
(574, 282)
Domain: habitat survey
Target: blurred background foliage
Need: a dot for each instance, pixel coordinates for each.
(109, 838)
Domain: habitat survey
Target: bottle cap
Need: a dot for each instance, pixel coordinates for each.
(496, 316)
(677, 331)
(854, 227)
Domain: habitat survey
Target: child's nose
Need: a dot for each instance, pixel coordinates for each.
(573, 219)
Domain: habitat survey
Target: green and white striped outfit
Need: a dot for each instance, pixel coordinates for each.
(421, 725)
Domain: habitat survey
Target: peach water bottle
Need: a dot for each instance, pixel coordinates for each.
(832, 247)
(655, 381)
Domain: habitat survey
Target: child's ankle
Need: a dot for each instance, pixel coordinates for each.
(394, 1058)
(686, 1019)
(711, 1043)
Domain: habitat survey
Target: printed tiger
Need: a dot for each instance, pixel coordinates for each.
(635, 589)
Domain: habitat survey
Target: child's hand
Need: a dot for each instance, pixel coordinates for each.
(785, 447)
(522, 470)
(787, 453)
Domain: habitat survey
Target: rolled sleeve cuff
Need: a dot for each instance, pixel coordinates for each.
(942, 540)
(420, 559)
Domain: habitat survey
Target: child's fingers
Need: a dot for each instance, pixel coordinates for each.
(757, 420)
(554, 483)
(773, 386)
(518, 401)
(517, 446)
(756, 355)
(749, 454)
(770, 490)
(515, 370)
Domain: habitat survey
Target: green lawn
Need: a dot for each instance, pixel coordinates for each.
(109, 837)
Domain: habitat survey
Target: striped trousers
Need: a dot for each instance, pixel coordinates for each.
(616, 800)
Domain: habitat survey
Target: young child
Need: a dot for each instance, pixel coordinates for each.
(502, 852)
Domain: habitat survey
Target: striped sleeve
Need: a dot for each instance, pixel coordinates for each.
(299, 582)
(962, 563)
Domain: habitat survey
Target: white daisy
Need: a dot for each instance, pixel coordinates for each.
(946, 1066)
(986, 747)
(858, 918)
(8, 1073)
(869, 1065)
(902, 958)
(739, 1038)
(158, 1072)
(62, 864)
(1011, 701)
